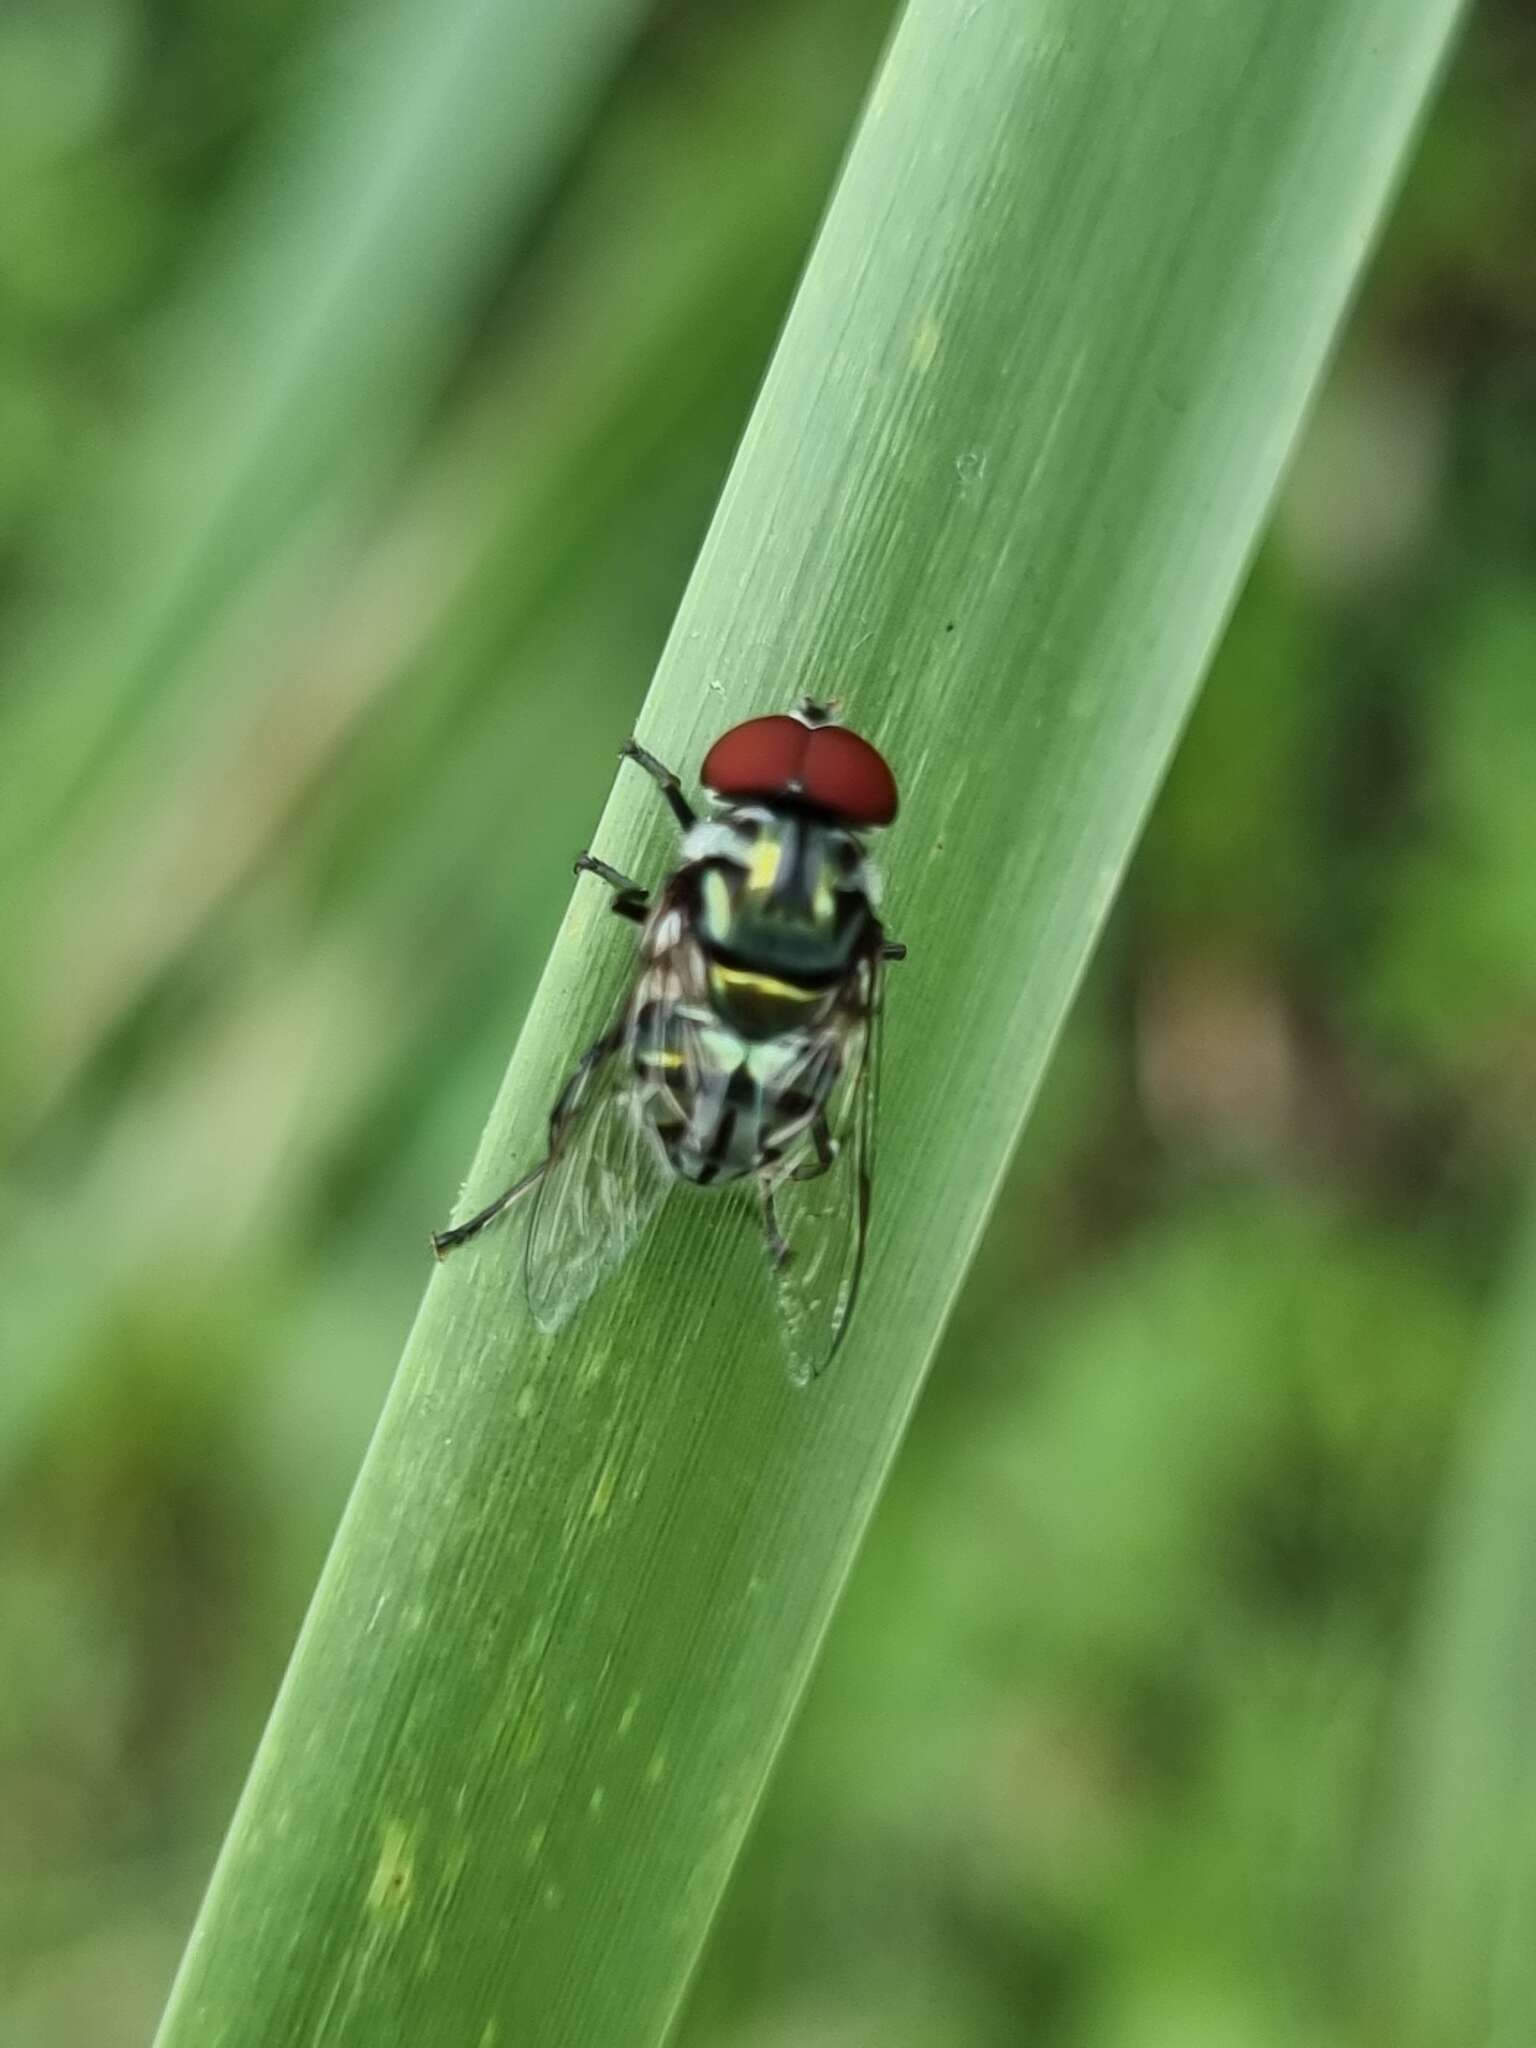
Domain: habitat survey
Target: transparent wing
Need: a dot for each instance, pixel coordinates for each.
(822, 1211)
(603, 1185)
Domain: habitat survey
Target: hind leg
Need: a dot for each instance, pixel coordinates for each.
(445, 1241)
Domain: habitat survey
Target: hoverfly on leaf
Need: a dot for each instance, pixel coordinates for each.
(747, 1047)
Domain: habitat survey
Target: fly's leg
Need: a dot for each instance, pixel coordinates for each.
(445, 1241)
(893, 949)
(589, 864)
(826, 1153)
(629, 898)
(779, 1248)
(665, 781)
(569, 1098)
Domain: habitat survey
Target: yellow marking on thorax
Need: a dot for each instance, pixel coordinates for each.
(764, 985)
(763, 865)
(717, 899)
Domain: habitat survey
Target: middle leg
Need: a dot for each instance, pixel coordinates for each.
(629, 898)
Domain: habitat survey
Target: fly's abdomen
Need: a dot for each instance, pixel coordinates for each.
(724, 1106)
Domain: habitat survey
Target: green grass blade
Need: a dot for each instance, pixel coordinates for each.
(1468, 1850)
(1030, 407)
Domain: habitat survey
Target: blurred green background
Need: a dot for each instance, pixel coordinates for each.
(351, 463)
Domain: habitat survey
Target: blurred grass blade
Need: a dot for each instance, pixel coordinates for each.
(1016, 445)
(1469, 1793)
(420, 140)
(613, 362)
(580, 454)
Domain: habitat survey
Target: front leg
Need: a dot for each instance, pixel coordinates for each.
(665, 781)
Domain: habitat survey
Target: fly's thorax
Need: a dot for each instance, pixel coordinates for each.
(759, 1006)
(781, 894)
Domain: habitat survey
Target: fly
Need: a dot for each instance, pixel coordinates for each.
(747, 1047)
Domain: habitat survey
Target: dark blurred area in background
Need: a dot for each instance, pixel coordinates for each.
(1181, 1697)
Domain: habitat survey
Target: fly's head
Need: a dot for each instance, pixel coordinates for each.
(782, 892)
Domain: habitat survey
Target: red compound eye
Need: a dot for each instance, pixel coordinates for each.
(847, 776)
(763, 758)
(826, 765)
